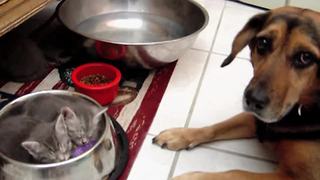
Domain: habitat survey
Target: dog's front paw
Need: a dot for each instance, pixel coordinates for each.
(177, 138)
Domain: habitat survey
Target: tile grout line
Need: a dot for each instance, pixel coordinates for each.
(287, 2)
(238, 154)
(151, 134)
(202, 50)
(177, 154)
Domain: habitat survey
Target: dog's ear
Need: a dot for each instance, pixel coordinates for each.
(243, 38)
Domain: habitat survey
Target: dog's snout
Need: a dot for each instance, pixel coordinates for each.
(256, 99)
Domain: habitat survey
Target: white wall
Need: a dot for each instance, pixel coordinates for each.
(310, 4)
(270, 4)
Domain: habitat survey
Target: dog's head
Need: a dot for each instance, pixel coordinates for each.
(285, 54)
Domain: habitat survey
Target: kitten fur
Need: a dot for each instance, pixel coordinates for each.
(78, 113)
(46, 142)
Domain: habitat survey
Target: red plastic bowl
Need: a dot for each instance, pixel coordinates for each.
(103, 93)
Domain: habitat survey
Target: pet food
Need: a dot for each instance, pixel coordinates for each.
(95, 79)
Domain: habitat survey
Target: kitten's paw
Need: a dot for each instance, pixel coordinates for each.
(177, 138)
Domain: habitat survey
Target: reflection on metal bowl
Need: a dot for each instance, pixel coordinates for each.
(152, 32)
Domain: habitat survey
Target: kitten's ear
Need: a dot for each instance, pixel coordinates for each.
(61, 133)
(67, 112)
(60, 129)
(33, 147)
(70, 118)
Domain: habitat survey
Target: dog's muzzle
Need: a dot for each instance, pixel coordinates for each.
(255, 100)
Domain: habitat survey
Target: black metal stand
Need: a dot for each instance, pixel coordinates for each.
(122, 160)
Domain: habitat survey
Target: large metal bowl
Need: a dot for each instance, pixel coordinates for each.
(151, 32)
(96, 163)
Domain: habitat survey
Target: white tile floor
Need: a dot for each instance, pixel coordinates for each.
(201, 93)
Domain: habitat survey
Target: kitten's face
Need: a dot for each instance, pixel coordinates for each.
(76, 112)
(45, 153)
(76, 127)
(54, 148)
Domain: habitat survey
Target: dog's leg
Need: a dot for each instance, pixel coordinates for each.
(233, 175)
(240, 126)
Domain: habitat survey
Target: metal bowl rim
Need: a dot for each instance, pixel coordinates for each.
(69, 161)
(202, 9)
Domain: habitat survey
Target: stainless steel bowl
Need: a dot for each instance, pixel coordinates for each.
(96, 163)
(152, 32)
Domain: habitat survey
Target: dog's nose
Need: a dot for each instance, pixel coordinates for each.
(256, 99)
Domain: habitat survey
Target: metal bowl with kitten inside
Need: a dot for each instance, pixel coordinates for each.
(96, 163)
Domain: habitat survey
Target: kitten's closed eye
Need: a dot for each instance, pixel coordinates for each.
(39, 152)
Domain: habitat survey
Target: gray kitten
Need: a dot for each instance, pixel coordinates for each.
(46, 142)
(54, 147)
(76, 128)
(78, 115)
(82, 127)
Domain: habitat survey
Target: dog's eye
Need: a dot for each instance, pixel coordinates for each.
(263, 45)
(303, 59)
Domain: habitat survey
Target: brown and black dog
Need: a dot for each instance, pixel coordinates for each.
(281, 102)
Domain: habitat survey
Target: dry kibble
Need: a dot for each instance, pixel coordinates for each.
(95, 79)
